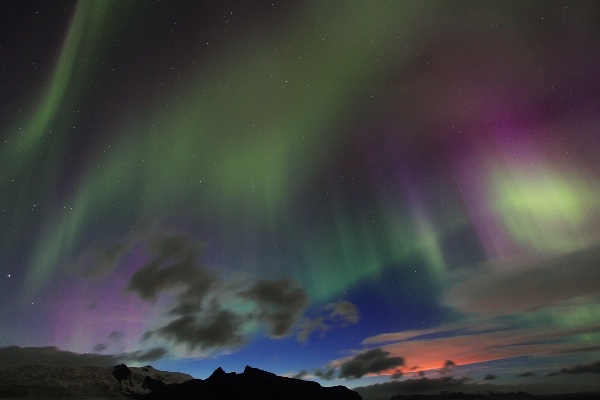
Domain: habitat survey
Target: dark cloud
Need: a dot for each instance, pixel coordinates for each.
(99, 261)
(526, 374)
(100, 347)
(221, 329)
(397, 375)
(280, 304)
(338, 314)
(300, 374)
(155, 353)
(446, 369)
(593, 368)
(411, 386)
(489, 377)
(343, 312)
(201, 315)
(202, 311)
(173, 264)
(309, 326)
(172, 246)
(150, 280)
(326, 373)
(371, 361)
(50, 355)
(531, 285)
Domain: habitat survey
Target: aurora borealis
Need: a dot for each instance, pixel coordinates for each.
(355, 192)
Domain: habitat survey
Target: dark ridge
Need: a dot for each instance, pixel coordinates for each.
(252, 384)
(154, 385)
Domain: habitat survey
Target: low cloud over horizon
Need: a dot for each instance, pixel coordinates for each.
(51, 355)
(427, 385)
(472, 342)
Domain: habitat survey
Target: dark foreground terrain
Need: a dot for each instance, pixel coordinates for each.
(147, 383)
(497, 396)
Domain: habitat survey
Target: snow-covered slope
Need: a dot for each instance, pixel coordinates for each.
(48, 382)
(138, 381)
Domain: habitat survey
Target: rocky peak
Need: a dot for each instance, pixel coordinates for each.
(255, 373)
(220, 375)
(219, 372)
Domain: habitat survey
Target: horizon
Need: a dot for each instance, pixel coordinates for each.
(393, 195)
(413, 387)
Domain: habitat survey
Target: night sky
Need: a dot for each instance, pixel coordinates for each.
(401, 193)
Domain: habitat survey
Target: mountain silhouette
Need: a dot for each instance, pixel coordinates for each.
(252, 384)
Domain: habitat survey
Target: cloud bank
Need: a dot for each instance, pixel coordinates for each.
(413, 386)
(593, 368)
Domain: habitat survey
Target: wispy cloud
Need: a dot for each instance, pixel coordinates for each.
(472, 325)
(409, 334)
(338, 314)
(531, 284)
(464, 345)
